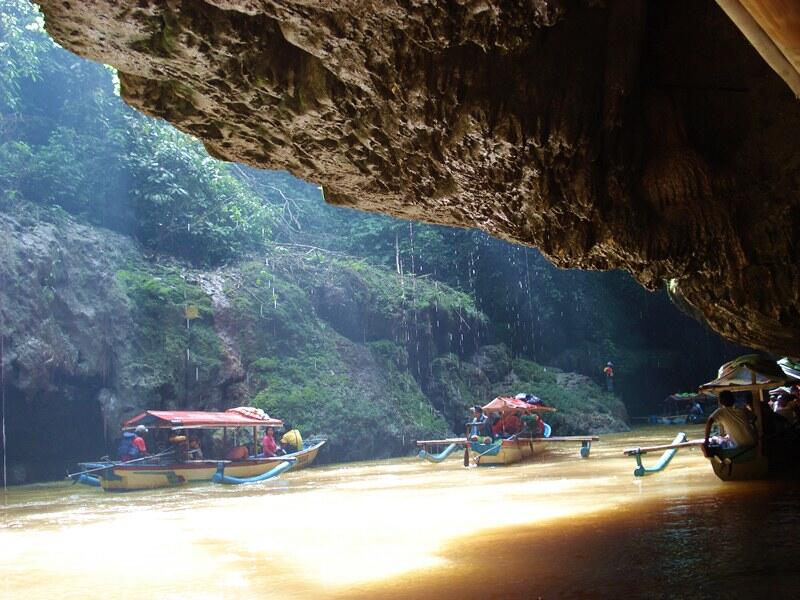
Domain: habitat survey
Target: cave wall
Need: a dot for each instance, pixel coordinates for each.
(648, 136)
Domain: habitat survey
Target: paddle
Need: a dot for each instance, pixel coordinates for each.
(103, 468)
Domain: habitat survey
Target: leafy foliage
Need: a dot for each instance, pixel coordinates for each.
(68, 141)
(22, 43)
(174, 351)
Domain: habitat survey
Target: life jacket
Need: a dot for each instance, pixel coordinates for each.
(126, 448)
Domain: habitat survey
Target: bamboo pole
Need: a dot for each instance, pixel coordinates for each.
(646, 449)
(765, 45)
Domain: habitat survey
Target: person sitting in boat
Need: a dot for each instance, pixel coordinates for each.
(237, 453)
(479, 426)
(736, 425)
(508, 426)
(696, 413)
(772, 424)
(786, 407)
(179, 444)
(269, 446)
(291, 441)
(133, 445)
(195, 451)
(534, 425)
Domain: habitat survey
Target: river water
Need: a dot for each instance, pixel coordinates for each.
(560, 527)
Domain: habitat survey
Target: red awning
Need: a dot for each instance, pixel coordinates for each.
(171, 419)
(504, 404)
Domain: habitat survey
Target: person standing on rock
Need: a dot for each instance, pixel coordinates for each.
(609, 374)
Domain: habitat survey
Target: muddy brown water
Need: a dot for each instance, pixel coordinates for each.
(561, 527)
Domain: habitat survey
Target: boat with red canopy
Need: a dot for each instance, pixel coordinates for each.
(518, 435)
(184, 437)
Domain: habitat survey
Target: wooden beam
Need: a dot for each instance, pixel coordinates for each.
(422, 443)
(773, 28)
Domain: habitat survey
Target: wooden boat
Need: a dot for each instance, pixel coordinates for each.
(677, 409)
(168, 468)
(484, 451)
(776, 454)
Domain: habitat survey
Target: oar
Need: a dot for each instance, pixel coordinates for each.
(116, 464)
(645, 450)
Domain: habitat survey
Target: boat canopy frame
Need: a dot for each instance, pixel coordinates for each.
(195, 419)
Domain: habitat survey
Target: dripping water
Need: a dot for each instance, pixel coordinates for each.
(3, 402)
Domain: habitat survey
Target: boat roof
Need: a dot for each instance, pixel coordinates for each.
(242, 416)
(687, 397)
(748, 371)
(790, 368)
(505, 404)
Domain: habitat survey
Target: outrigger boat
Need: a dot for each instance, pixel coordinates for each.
(484, 451)
(775, 454)
(173, 467)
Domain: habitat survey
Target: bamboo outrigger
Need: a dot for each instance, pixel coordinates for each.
(174, 467)
(774, 454)
(484, 451)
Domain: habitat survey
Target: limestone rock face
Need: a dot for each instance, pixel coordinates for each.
(647, 136)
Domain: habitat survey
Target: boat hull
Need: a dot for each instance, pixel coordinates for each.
(506, 452)
(748, 465)
(747, 468)
(127, 478)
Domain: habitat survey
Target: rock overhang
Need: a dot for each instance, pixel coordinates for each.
(648, 136)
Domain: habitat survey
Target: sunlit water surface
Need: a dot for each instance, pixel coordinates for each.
(557, 527)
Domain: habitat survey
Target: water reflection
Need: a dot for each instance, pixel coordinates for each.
(564, 527)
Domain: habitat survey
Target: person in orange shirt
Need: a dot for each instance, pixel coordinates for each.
(138, 440)
(609, 373)
(508, 426)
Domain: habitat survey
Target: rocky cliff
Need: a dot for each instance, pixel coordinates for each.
(648, 136)
(94, 332)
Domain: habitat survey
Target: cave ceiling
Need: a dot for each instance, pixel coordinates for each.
(645, 136)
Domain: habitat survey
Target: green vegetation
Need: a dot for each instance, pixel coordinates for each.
(66, 140)
(174, 351)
